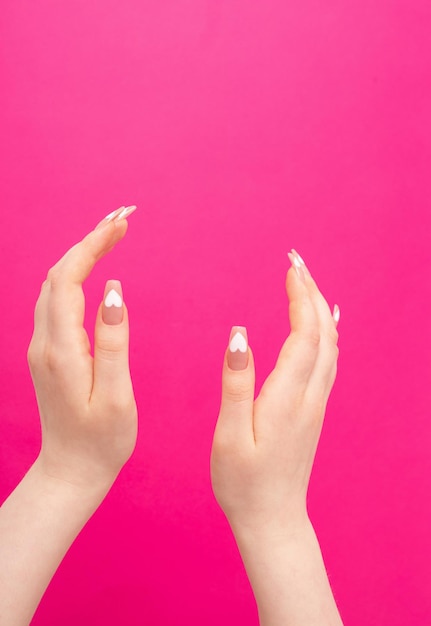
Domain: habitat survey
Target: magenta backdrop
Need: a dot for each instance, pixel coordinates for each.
(241, 129)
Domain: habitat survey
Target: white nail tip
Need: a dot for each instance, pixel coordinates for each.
(111, 216)
(298, 258)
(336, 314)
(126, 211)
(113, 298)
(238, 342)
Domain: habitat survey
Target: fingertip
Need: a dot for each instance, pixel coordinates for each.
(112, 329)
(238, 365)
(297, 266)
(113, 304)
(116, 216)
(302, 263)
(117, 228)
(336, 314)
(237, 354)
(103, 240)
(296, 290)
(238, 378)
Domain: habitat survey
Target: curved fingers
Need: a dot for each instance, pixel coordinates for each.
(324, 372)
(60, 309)
(306, 366)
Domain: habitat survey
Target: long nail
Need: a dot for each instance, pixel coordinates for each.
(336, 314)
(112, 308)
(301, 262)
(128, 210)
(300, 259)
(237, 354)
(297, 265)
(109, 218)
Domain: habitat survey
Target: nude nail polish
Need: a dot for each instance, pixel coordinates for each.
(336, 314)
(301, 262)
(128, 210)
(237, 354)
(109, 218)
(297, 265)
(298, 256)
(112, 308)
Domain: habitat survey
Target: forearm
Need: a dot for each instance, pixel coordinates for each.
(288, 577)
(38, 523)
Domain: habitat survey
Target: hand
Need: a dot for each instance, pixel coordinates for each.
(89, 422)
(87, 407)
(263, 450)
(263, 453)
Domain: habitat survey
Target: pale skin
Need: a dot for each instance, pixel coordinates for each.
(262, 457)
(89, 425)
(261, 460)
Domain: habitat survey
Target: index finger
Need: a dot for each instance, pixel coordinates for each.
(61, 305)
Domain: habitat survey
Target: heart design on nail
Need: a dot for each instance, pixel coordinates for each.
(113, 299)
(238, 342)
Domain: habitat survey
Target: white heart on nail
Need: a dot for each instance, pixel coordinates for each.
(113, 299)
(238, 342)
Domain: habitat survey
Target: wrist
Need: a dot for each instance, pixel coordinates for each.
(39, 521)
(66, 484)
(272, 535)
(286, 571)
(268, 528)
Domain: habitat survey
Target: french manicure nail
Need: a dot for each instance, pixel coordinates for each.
(336, 314)
(109, 218)
(302, 263)
(297, 265)
(128, 210)
(298, 256)
(112, 309)
(237, 354)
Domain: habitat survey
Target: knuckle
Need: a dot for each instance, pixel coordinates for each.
(33, 357)
(44, 285)
(238, 392)
(332, 347)
(50, 360)
(53, 277)
(109, 349)
(54, 360)
(333, 335)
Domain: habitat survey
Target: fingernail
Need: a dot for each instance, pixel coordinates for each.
(299, 257)
(128, 210)
(301, 262)
(109, 218)
(112, 309)
(336, 314)
(297, 265)
(237, 354)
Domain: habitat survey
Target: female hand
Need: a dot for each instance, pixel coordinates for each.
(262, 456)
(88, 417)
(263, 450)
(87, 407)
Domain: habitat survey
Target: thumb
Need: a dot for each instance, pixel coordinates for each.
(238, 379)
(111, 345)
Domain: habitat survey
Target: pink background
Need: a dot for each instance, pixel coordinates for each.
(241, 129)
